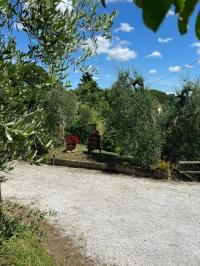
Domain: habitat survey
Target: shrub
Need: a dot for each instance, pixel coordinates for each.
(163, 166)
(109, 141)
(183, 142)
(134, 119)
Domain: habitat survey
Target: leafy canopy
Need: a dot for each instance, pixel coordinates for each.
(56, 39)
(133, 118)
(57, 32)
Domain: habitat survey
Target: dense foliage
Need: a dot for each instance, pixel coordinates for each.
(145, 124)
(35, 105)
(38, 109)
(183, 138)
(92, 106)
(21, 114)
(133, 117)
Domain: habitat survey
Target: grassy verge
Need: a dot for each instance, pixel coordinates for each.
(82, 156)
(21, 237)
(26, 239)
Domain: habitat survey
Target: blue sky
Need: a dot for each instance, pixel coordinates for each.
(154, 55)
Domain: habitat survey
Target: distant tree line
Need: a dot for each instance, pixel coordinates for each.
(147, 124)
(37, 108)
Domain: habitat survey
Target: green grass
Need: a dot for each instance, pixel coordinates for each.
(21, 239)
(27, 239)
(82, 156)
(26, 251)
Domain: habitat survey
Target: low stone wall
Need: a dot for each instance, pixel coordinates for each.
(117, 168)
(76, 164)
(131, 170)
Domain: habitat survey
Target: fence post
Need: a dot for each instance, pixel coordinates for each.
(53, 160)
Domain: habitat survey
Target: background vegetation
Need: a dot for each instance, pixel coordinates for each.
(144, 124)
(37, 108)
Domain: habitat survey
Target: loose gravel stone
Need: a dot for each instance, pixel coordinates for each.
(119, 220)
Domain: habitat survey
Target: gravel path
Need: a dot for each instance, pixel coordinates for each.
(118, 219)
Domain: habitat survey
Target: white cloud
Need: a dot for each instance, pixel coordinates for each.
(154, 54)
(189, 66)
(18, 26)
(121, 54)
(164, 40)
(65, 4)
(108, 76)
(152, 71)
(125, 27)
(103, 45)
(170, 13)
(174, 68)
(95, 78)
(195, 44)
(114, 50)
(116, 38)
(122, 42)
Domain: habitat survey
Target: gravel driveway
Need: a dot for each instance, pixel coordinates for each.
(119, 220)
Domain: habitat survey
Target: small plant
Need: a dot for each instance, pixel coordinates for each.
(163, 170)
(163, 166)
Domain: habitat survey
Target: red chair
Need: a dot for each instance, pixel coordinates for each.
(71, 142)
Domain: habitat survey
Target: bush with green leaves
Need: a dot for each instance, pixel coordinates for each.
(109, 140)
(184, 140)
(53, 37)
(92, 108)
(86, 118)
(61, 107)
(21, 119)
(134, 118)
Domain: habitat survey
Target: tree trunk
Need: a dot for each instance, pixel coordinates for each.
(63, 125)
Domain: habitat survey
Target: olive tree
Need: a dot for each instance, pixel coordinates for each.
(183, 141)
(134, 119)
(57, 37)
(57, 30)
(188, 123)
(61, 107)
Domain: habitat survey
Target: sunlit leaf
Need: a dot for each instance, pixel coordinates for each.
(8, 136)
(197, 26)
(185, 14)
(49, 144)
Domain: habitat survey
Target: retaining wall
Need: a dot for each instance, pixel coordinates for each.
(117, 168)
